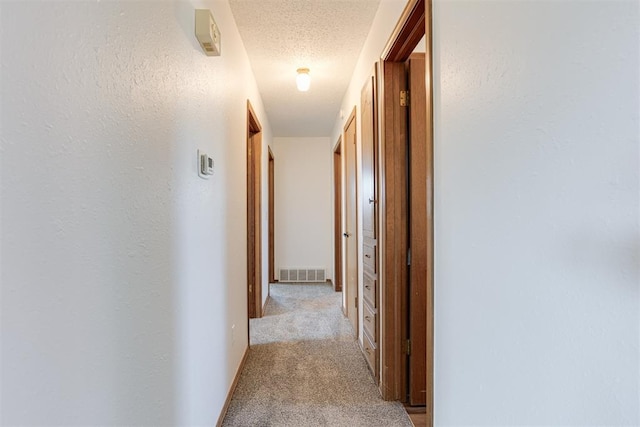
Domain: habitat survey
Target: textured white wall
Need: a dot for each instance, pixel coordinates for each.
(303, 203)
(122, 271)
(537, 210)
(383, 24)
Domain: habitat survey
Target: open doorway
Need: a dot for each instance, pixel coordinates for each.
(254, 209)
(406, 208)
(272, 213)
(351, 223)
(337, 216)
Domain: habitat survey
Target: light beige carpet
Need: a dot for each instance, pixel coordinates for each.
(305, 368)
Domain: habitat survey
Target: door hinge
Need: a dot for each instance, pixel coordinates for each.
(408, 348)
(404, 98)
(409, 256)
(356, 301)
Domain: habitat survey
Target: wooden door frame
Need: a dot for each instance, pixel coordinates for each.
(414, 23)
(254, 217)
(337, 216)
(272, 227)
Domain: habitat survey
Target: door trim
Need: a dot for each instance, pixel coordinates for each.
(414, 23)
(408, 32)
(254, 209)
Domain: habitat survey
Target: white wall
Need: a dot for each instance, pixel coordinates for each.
(383, 24)
(537, 210)
(303, 203)
(123, 273)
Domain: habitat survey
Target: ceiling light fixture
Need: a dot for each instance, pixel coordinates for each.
(303, 79)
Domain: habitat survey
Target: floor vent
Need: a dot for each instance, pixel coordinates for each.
(302, 275)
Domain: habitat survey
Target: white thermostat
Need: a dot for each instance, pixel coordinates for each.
(207, 32)
(205, 165)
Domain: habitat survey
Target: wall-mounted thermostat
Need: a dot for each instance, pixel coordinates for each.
(207, 32)
(205, 165)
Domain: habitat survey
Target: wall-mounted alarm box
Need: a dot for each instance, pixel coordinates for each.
(207, 32)
(205, 165)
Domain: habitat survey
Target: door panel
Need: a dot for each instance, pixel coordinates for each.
(254, 248)
(394, 254)
(351, 226)
(417, 229)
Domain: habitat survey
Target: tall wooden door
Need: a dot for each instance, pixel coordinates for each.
(393, 292)
(369, 224)
(351, 223)
(417, 295)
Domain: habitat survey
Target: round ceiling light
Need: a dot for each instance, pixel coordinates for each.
(303, 79)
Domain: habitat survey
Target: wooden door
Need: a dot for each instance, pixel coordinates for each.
(351, 218)
(394, 230)
(417, 293)
(369, 223)
(337, 216)
(254, 209)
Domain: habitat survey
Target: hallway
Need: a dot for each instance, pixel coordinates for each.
(305, 369)
(124, 212)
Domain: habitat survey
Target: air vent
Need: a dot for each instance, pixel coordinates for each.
(302, 275)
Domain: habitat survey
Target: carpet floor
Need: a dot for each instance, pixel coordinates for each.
(305, 368)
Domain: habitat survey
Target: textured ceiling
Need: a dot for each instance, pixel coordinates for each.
(325, 36)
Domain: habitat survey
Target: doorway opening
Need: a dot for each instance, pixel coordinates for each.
(337, 216)
(351, 223)
(272, 228)
(406, 209)
(254, 209)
